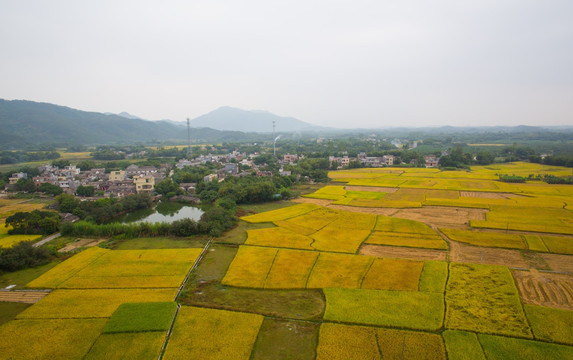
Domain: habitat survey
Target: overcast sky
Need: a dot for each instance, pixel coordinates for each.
(334, 63)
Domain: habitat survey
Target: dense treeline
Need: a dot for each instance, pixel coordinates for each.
(23, 256)
(14, 157)
(102, 210)
(34, 222)
(213, 222)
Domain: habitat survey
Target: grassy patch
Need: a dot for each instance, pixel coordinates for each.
(22, 277)
(9, 310)
(213, 265)
(434, 276)
(141, 317)
(158, 243)
(404, 309)
(48, 338)
(286, 339)
(501, 347)
(393, 274)
(280, 214)
(483, 298)
(140, 346)
(550, 324)
(463, 345)
(535, 243)
(212, 334)
(91, 303)
(268, 206)
(291, 304)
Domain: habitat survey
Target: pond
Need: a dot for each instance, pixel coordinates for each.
(164, 211)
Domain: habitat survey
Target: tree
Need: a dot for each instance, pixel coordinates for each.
(484, 158)
(25, 185)
(23, 256)
(35, 222)
(61, 163)
(85, 190)
(166, 186)
(50, 189)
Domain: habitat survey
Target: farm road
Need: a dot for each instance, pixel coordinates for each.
(49, 238)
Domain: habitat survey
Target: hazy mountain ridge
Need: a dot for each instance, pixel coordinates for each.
(233, 119)
(25, 123)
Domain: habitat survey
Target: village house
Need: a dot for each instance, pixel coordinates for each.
(290, 158)
(431, 161)
(119, 175)
(17, 176)
(232, 169)
(144, 183)
(210, 178)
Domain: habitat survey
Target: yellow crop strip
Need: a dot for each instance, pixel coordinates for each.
(48, 338)
(391, 224)
(407, 240)
(549, 324)
(278, 237)
(393, 274)
(123, 282)
(250, 267)
(91, 303)
(488, 239)
(212, 334)
(344, 342)
(67, 269)
(338, 238)
(535, 243)
(559, 245)
(280, 214)
(12, 240)
(291, 269)
(314, 220)
(339, 270)
(399, 344)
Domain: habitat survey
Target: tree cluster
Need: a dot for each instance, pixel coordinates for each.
(102, 210)
(34, 222)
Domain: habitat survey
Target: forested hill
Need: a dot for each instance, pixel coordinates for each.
(24, 123)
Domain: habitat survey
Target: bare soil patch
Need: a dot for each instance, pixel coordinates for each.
(481, 255)
(81, 243)
(442, 216)
(321, 202)
(561, 263)
(545, 289)
(403, 252)
(389, 190)
(22, 296)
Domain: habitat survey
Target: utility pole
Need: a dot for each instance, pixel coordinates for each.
(189, 152)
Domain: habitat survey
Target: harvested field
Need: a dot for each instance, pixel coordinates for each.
(402, 252)
(81, 243)
(22, 296)
(463, 253)
(561, 263)
(545, 289)
(483, 195)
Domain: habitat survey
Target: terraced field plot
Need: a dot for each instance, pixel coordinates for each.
(269, 268)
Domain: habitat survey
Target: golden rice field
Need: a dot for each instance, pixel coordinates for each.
(212, 334)
(271, 268)
(250, 301)
(100, 268)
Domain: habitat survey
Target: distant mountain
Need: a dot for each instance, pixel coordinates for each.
(27, 123)
(233, 119)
